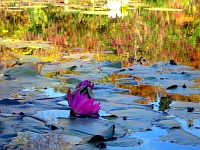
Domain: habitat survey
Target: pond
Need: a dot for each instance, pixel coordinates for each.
(144, 64)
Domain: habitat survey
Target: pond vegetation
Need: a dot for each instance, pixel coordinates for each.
(144, 63)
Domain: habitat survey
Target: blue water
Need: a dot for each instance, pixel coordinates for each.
(48, 91)
(151, 142)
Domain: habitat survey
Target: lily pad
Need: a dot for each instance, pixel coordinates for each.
(73, 80)
(7, 88)
(123, 143)
(181, 137)
(184, 105)
(25, 70)
(111, 64)
(183, 114)
(89, 129)
(137, 119)
(7, 132)
(167, 123)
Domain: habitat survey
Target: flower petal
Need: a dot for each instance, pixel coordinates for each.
(77, 99)
(96, 108)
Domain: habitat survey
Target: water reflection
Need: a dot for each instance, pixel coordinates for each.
(114, 7)
(144, 35)
(51, 92)
(134, 35)
(190, 125)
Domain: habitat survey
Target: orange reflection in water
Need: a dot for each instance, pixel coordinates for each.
(147, 91)
(151, 93)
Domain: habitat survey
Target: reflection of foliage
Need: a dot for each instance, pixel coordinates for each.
(112, 78)
(61, 89)
(190, 6)
(38, 19)
(148, 33)
(59, 72)
(164, 103)
(146, 91)
(186, 98)
(15, 23)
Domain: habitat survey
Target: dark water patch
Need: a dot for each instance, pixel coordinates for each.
(10, 102)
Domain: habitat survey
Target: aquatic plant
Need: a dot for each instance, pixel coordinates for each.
(81, 105)
(86, 83)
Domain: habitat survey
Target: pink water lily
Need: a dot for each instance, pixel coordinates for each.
(81, 105)
(86, 83)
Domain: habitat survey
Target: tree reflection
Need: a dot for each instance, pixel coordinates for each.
(164, 103)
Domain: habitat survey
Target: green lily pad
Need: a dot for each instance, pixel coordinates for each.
(112, 64)
(73, 80)
(26, 70)
(72, 68)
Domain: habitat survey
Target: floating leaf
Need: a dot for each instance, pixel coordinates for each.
(26, 70)
(73, 80)
(123, 143)
(72, 68)
(167, 123)
(181, 137)
(7, 132)
(172, 87)
(112, 64)
(89, 129)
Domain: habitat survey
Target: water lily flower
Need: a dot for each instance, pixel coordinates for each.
(81, 104)
(86, 83)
